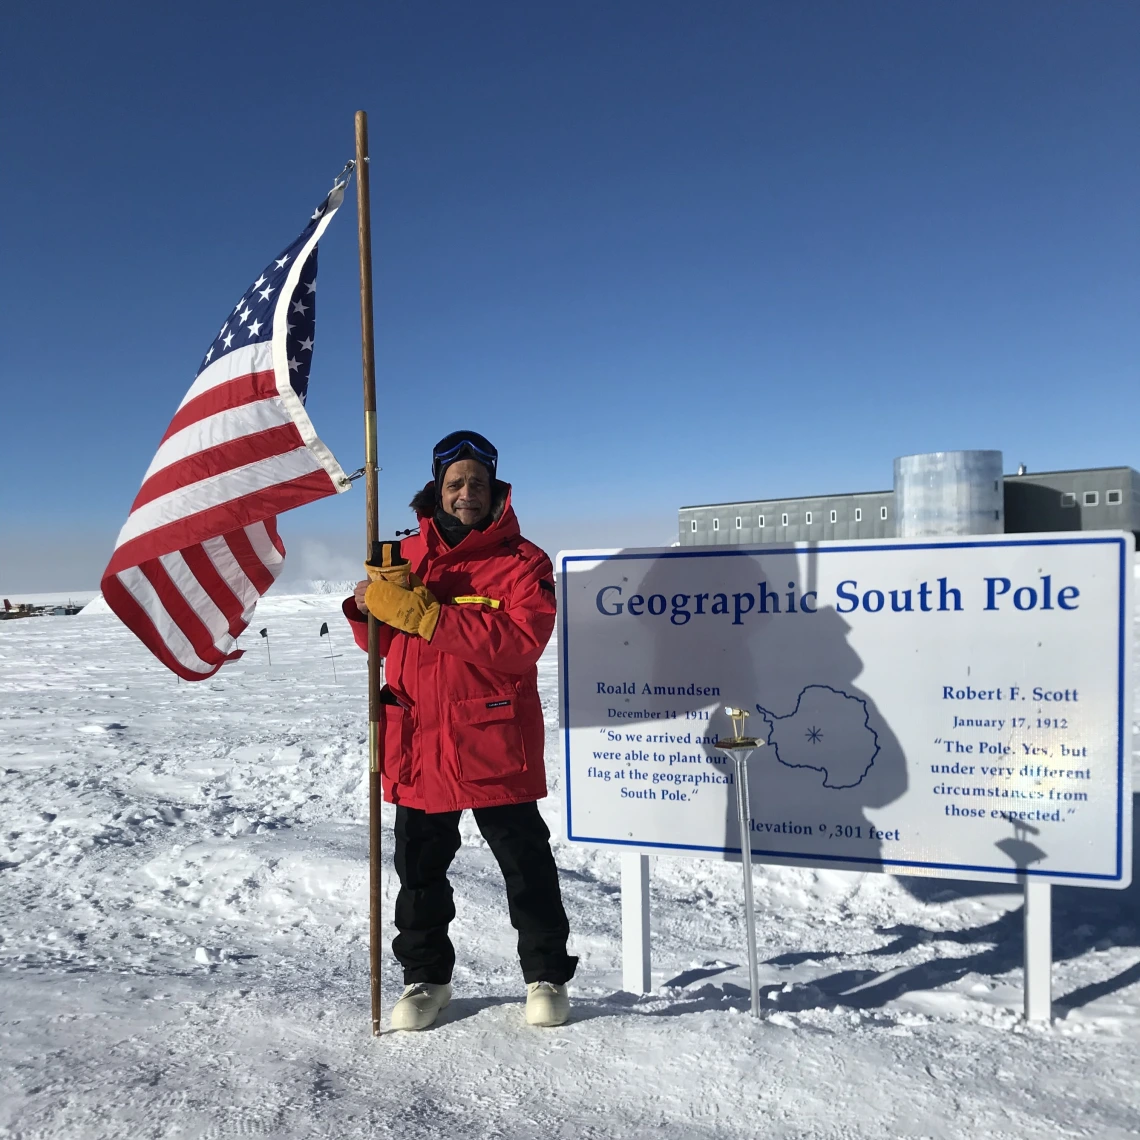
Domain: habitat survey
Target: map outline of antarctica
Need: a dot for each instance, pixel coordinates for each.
(803, 738)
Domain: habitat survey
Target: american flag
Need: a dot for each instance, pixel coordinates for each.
(200, 545)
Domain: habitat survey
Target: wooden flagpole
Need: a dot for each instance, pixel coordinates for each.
(372, 518)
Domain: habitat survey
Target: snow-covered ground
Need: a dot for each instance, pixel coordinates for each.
(183, 946)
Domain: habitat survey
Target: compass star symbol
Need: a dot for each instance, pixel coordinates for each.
(814, 735)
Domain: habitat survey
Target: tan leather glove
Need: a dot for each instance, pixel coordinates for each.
(412, 610)
(392, 567)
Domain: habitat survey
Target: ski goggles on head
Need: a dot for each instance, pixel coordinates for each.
(464, 445)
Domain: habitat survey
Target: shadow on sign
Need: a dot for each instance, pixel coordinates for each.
(804, 700)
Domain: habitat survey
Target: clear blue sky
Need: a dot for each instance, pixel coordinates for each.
(660, 253)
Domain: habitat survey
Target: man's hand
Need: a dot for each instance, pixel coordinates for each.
(358, 594)
(391, 567)
(412, 610)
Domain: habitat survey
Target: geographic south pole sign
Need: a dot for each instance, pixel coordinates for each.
(958, 708)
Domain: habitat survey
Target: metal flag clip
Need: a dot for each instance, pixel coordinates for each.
(359, 474)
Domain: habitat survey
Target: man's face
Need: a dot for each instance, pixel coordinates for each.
(466, 491)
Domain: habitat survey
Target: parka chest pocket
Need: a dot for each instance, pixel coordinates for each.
(487, 737)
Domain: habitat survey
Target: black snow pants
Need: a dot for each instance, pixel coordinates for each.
(519, 840)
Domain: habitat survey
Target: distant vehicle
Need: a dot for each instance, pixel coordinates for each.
(26, 609)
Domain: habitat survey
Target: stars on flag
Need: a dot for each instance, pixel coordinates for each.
(262, 304)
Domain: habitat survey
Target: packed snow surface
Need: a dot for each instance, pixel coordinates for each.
(184, 946)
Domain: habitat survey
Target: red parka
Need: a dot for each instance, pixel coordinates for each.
(464, 727)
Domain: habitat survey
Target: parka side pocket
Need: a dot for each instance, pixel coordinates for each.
(395, 743)
(487, 737)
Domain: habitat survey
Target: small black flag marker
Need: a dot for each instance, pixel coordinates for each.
(265, 633)
(331, 655)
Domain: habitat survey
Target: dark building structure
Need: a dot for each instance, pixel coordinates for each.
(1100, 498)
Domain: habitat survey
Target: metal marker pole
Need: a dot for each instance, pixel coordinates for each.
(740, 748)
(741, 757)
(372, 521)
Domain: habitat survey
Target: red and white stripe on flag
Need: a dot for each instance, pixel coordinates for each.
(200, 545)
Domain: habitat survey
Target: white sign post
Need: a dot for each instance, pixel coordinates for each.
(636, 960)
(956, 708)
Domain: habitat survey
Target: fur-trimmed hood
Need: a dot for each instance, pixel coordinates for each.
(425, 502)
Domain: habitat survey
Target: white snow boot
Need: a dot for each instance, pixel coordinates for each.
(419, 1005)
(546, 1004)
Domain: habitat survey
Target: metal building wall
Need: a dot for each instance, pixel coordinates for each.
(1073, 500)
(949, 492)
(856, 516)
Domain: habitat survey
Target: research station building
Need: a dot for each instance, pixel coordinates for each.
(945, 492)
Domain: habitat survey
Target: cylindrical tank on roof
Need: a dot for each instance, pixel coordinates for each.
(949, 492)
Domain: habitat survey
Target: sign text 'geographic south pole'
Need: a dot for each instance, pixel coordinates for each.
(958, 708)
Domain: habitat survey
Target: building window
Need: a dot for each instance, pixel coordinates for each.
(1091, 498)
(882, 512)
(1068, 499)
(784, 520)
(737, 522)
(716, 524)
(1113, 498)
(833, 516)
(858, 514)
(693, 525)
(807, 518)
(761, 522)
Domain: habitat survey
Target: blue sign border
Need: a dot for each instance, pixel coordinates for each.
(813, 859)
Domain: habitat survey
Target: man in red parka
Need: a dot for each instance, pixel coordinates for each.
(468, 607)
